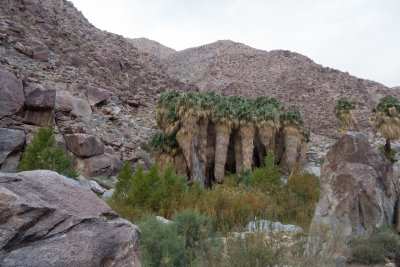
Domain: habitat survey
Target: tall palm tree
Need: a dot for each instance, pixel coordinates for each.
(386, 115)
(344, 113)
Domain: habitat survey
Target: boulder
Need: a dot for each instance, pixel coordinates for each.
(11, 141)
(84, 145)
(96, 187)
(358, 195)
(39, 117)
(46, 221)
(97, 96)
(39, 97)
(108, 194)
(12, 94)
(269, 226)
(101, 165)
(78, 107)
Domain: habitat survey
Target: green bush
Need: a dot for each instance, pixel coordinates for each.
(160, 243)
(243, 178)
(42, 154)
(150, 191)
(188, 241)
(268, 178)
(375, 248)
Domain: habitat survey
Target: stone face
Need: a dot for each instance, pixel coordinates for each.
(358, 195)
(10, 141)
(77, 106)
(12, 94)
(39, 97)
(101, 165)
(84, 145)
(39, 117)
(97, 96)
(47, 221)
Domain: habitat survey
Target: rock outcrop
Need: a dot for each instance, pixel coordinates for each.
(358, 195)
(12, 94)
(47, 221)
(11, 142)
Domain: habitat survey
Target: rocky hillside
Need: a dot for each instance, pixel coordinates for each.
(51, 44)
(231, 68)
(152, 48)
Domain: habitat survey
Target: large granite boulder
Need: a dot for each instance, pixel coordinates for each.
(84, 145)
(47, 221)
(101, 165)
(11, 142)
(39, 97)
(12, 94)
(358, 195)
(68, 103)
(97, 96)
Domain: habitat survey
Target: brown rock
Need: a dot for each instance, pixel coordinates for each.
(12, 94)
(39, 97)
(39, 117)
(97, 96)
(77, 106)
(11, 141)
(48, 220)
(84, 145)
(22, 49)
(102, 165)
(358, 195)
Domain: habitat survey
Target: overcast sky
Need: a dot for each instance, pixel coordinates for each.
(358, 36)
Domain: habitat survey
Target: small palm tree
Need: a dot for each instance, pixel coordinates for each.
(386, 115)
(344, 113)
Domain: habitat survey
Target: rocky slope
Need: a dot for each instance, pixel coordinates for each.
(152, 48)
(231, 68)
(50, 46)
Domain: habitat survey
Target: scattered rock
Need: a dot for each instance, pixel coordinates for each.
(84, 145)
(358, 195)
(49, 222)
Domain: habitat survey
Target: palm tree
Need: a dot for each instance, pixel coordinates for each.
(386, 115)
(344, 113)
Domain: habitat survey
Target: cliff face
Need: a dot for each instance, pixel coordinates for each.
(230, 68)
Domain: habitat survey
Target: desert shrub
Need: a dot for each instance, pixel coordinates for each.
(253, 250)
(43, 154)
(268, 178)
(375, 248)
(124, 178)
(231, 207)
(148, 191)
(392, 153)
(188, 241)
(160, 243)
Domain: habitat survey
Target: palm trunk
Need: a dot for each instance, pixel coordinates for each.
(388, 149)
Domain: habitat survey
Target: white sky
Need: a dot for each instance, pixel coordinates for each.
(358, 36)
